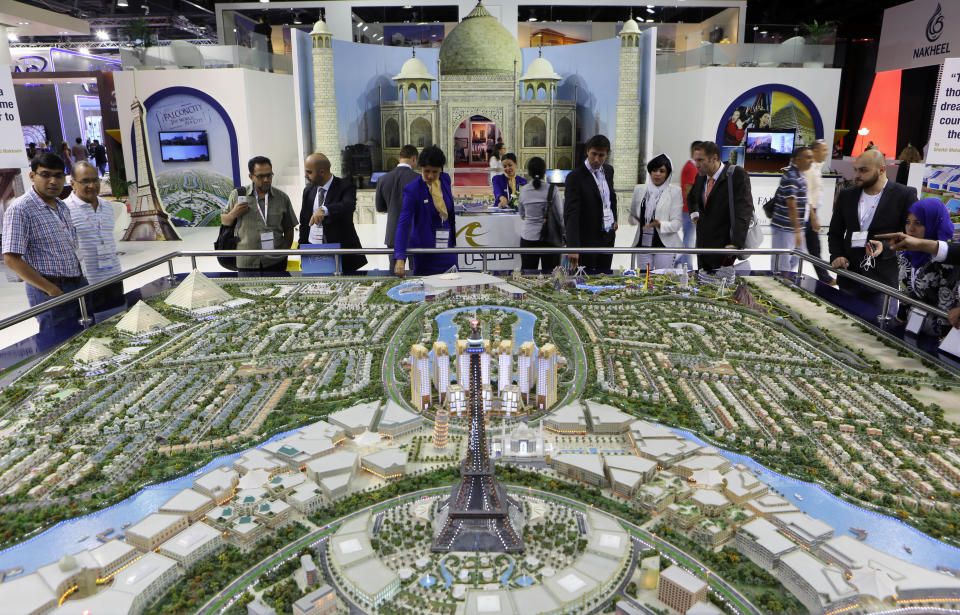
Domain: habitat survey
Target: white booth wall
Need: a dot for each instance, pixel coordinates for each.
(690, 106)
(260, 106)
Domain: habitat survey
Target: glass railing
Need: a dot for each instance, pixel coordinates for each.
(792, 53)
(180, 54)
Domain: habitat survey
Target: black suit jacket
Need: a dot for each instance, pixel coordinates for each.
(583, 207)
(338, 226)
(953, 254)
(713, 226)
(890, 217)
(389, 198)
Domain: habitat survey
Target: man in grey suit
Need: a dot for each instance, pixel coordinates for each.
(390, 190)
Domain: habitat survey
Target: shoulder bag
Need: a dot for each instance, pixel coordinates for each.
(552, 231)
(227, 240)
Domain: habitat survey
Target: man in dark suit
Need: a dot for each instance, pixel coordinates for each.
(328, 204)
(872, 207)
(590, 206)
(389, 199)
(709, 206)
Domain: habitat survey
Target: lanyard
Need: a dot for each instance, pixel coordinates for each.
(266, 207)
(89, 218)
(867, 219)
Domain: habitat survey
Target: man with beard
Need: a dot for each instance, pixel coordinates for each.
(872, 207)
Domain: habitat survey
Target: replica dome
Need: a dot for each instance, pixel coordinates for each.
(320, 27)
(479, 45)
(540, 70)
(414, 69)
(630, 27)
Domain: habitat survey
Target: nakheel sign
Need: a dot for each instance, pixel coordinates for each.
(945, 134)
(919, 33)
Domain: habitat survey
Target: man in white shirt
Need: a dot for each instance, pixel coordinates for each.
(97, 248)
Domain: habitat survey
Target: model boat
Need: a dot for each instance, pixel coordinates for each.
(907, 549)
(859, 533)
(798, 496)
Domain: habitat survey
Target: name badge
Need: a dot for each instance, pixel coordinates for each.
(266, 240)
(442, 238)
(951, 343)
(915, 321)
(858, 239)
(105, 254)
(316, 234)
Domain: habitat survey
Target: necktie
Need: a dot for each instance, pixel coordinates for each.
(437, 196)
(709, 187)
(321, 197)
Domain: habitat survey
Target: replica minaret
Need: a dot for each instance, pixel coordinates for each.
(626, 147)
(479, 515)
(326, 132)
(148, 220)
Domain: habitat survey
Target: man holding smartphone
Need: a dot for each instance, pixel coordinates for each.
(264, 220)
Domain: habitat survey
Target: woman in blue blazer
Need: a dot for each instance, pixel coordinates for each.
(422, 222)
(503, 196)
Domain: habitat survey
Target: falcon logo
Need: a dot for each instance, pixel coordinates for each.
(470, 233)
(935, 25)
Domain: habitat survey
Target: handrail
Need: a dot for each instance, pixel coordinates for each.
(484, 252)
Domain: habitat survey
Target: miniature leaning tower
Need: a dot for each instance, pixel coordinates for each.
(627, 143)
(326, 133)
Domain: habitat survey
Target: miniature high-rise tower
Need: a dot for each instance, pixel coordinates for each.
(148, 220)
(505, 366)
(547, 377)
(526, 370)
(626, 149)
(441, 371)
(462, 359)
(419, 377)
(479, 515)
(326, 132)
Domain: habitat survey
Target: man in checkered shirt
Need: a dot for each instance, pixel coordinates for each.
(40, 241)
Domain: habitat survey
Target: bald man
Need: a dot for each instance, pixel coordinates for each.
(872, 207)
(326, 215)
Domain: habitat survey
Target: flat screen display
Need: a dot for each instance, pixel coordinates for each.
(184, 146)
(557, 176)
(770, 143)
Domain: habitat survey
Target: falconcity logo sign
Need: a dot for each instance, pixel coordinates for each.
(933, 32)
(471, 232)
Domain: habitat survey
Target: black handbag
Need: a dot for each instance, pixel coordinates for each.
(227, 240)
(552, 232)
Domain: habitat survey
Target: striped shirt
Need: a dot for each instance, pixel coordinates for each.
(98, 250)
(43, 235)
(792, 185)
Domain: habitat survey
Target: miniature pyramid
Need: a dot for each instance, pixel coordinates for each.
(195, 292)
(92, 352)
(142, 318)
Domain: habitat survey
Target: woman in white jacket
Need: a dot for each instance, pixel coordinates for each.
(657, 210)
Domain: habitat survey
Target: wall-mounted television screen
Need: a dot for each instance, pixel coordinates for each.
(770, 143)
(184, 146)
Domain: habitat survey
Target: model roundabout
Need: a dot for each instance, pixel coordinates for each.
(497, 445)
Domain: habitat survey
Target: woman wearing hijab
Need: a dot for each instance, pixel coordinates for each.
(929, 281)
(506, 186)
(426, 217)
(657, 210)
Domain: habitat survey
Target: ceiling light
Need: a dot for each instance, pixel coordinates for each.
(83, 51)
(649, 21)
(23, 23)
(122, 3)
(863, 132)
(531, 18)
(408, 6)
(365, 28)
(264, 1)
(102, 35)
(650, 10)
(64, 32)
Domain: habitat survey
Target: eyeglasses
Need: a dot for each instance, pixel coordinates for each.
(87, 182)
(46, 175)
(264, 176)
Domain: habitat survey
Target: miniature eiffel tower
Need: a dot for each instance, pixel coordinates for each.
(148, 221)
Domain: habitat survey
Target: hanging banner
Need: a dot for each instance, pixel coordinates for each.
(919, 33)
(12, 152)
(945, 134)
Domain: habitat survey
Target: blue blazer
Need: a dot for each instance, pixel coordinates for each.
(500, 187)
(418, 222)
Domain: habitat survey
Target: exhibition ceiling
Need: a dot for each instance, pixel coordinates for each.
(196, 19)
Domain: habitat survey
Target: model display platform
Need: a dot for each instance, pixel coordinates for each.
(466, 443)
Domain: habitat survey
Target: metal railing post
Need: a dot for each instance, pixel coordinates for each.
(337, 270)
(799, 270)
(484, 256)
(85, 319)
(172, 277)
(883, 317)
(193, 262)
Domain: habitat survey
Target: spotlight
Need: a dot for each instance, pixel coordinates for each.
(531, 18)
(102, 35)
(650, 10)
(122, 4)
(83, 51)
(365, 28)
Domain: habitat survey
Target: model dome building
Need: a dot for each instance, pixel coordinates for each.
(480, 45)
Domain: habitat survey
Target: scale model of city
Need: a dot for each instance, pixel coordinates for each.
(465, 443)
